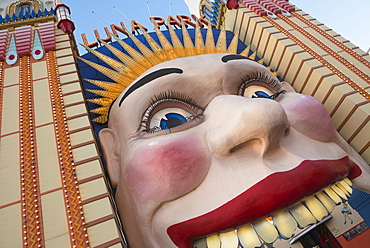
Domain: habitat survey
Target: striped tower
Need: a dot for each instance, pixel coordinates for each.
(313, 59)
(316, 61)
(307, 54)
(53, 190)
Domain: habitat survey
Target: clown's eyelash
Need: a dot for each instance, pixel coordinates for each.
(172, 95)
(169, 96)
(260, 77)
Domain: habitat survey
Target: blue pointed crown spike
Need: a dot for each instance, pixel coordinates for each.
(46, 12)
(14, 17)
(20, 16)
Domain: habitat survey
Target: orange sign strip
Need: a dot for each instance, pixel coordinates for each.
(326, 48)
(74, 210)
(30, 197)
(332, 39)
(321, 59)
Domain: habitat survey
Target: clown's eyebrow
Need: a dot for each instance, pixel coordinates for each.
(148, 78)
(233, 57)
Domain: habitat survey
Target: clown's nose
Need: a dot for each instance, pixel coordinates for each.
(234, 121)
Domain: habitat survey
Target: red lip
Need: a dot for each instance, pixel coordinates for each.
(277, 191)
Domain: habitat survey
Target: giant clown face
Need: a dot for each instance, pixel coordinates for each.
(211, 145)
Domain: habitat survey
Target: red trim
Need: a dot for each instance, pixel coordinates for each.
(8, 134)
(83, 144)
(76, 116)
(4, 38)
(66, 73)
(100, 220)
(46, 124)
(51, 191)
(92, 178)
(67, 26)
(23, 38)
(47, 36)
(232, 4)
(364, 148)
(80, 130)
(10, 204)
(95, 198)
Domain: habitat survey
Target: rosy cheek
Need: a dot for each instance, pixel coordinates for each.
(309, 116)
(167, 170)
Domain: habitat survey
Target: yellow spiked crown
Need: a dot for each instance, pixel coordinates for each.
(125, 71)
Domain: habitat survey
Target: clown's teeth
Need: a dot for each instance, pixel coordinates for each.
(213, 241)
(347, 181)
(248, 237)
(346, 186)
(343, 189)
(229, 239)
(302, 216)
(333, 195)
(266, 231)
(339, 192)
(285, 224)
(312, 210)
(316, 208)
(326, 201)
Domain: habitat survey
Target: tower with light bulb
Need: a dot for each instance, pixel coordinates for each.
(52, 182)
(316, 61)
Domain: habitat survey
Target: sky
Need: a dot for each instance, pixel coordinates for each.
(85, 21)
(345, 18)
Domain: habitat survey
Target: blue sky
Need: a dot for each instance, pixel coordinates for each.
(348, 19)
(85, 21)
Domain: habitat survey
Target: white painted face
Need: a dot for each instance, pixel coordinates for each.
(196, 146)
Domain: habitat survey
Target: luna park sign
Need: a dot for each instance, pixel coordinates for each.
(157, 21)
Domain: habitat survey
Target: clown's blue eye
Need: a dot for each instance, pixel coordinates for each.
(260, 94)
(168, 118)
(257, 91)
(169, 110)
(259, 84)
(172, 120)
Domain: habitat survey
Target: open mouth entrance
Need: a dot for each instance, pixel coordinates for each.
(281, 224)
(319, 237)
(272, 208)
